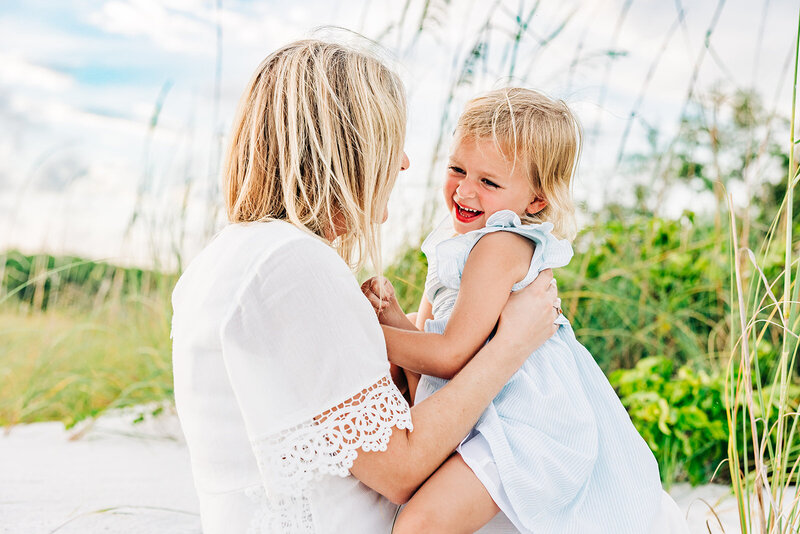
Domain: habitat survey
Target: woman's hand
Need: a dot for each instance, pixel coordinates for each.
(528, 318)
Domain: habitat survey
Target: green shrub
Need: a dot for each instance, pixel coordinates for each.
(646, 287)
(407, 275)
(681, 416)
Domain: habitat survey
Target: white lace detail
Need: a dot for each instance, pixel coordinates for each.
(280, 513)
(324, 445)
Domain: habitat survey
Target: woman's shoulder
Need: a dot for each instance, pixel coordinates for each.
(278, 253)
(264, 238)
(242, 253)
(256, 244)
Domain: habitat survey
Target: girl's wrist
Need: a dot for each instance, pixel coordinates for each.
(395, 317)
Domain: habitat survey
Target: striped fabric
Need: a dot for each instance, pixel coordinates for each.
(567, 457)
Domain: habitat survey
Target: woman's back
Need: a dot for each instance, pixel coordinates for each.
(211, 391)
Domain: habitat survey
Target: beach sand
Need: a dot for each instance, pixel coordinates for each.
(121, 477)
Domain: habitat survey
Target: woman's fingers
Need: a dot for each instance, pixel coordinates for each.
(551, 288)
(529, 315)
(544, 279)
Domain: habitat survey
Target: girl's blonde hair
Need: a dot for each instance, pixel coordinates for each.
(535, 131)
(318, 142)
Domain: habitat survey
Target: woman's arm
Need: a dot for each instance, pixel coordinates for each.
(444, 418)
(497, 261)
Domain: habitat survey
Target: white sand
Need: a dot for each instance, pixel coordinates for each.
(120, 477)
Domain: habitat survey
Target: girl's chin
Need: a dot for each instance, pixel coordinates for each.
(463, 227)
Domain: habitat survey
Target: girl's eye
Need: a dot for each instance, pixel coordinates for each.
(457, 170)
(489, 183)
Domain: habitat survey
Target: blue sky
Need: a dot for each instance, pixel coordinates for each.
(80, 81)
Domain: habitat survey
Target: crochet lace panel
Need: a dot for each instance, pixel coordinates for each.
(324, 445)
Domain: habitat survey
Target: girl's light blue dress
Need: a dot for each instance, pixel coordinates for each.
(565, 457)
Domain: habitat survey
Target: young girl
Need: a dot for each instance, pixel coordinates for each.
(555, 451)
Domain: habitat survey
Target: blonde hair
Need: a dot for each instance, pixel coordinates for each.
(318, 142)
(540, 133)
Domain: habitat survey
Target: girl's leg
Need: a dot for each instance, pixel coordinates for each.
(451, 501)
(412, 379)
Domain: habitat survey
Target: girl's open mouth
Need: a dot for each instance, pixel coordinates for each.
(466, 215)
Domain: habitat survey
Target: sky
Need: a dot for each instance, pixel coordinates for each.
(114, 114)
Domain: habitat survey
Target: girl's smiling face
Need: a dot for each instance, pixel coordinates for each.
(481, 181)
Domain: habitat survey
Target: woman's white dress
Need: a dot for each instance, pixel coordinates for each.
(280, 377)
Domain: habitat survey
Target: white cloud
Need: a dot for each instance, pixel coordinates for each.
(188, 30)
(21, 74)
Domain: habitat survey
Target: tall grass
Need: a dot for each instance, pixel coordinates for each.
(767, 421)
(78, 338)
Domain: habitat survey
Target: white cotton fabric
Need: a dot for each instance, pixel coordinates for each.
(281, 376)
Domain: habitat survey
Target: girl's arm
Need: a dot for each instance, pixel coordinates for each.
(497, 261)
(380, 293)
(425, 312)
(442, 420)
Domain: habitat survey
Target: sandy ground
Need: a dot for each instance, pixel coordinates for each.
(121, 477)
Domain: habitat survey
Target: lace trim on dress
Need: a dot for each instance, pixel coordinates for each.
(280, 514)
(324, 445)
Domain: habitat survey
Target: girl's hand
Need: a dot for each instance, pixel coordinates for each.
(380, 293)
(527, 320)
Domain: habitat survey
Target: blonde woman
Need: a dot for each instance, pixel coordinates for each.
(282, 383)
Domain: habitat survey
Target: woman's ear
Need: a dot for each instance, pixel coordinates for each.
(535, 206)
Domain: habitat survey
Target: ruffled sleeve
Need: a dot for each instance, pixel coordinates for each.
(307, 362)
(444, 230)
(551, 252)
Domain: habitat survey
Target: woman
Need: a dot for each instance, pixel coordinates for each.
(282, 384)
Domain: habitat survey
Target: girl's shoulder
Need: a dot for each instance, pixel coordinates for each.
(501, 255)
(507, 244)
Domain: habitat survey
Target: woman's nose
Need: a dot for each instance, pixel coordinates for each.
(405, 163)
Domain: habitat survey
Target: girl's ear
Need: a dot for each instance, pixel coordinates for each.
(535, 206)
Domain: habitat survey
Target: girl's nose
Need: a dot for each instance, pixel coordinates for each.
(464, 189)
